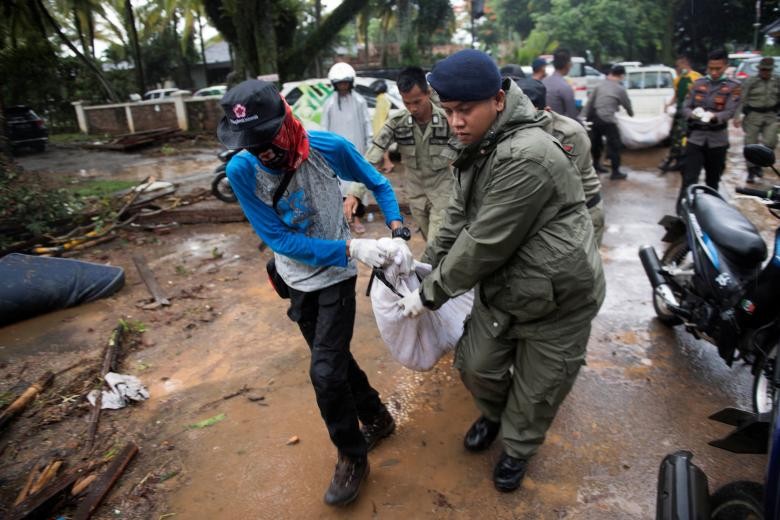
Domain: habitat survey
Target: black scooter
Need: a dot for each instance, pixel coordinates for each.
(710, 278)
(220, 186)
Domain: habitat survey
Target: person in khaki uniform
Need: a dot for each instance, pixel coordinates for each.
(422, 134)
(576, 142)
(518, 233)
(760, 99)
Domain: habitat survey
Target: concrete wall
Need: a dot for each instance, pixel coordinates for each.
(201, 114)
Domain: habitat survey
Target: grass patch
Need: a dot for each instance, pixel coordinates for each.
(76, 137)
(100, 188)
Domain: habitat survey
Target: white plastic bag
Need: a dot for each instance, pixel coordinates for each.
(417, 343)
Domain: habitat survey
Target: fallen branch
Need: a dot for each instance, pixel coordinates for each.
(109, 362)
(30, 505)
(151, 282)
(26, 398)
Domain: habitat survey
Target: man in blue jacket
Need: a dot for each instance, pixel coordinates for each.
(287, 182)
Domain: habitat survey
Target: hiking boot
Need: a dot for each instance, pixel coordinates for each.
(382, 426)
(618, 175)
(349, 475)
(481, 434)
(509, 472)
(599, 168)
(753, 172)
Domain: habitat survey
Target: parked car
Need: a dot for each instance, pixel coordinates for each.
(308, 96)
(161, 93)
(24, 128)
(649, 88)
(736, 59)
(749, 67)
(216, 90)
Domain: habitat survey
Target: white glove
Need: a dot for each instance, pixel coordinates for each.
(697, 112)
(411, 305)
(367, 251)
(398, 252)
(706, 117)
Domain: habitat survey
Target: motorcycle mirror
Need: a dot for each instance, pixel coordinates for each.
(759, 155)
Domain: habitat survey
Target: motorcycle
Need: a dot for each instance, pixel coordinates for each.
(710, 278)
(220, 185)
(683, 489)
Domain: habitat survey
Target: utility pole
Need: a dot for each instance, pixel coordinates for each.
(757, 25)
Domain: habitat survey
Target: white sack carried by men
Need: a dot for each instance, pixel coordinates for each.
(416, 343)
(643, 132)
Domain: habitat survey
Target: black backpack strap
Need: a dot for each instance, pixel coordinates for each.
(282, 186)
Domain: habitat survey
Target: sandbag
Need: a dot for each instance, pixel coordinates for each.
(32, 285)
(417, 343)
(643, 132)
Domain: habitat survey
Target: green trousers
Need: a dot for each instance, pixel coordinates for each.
(519, 381)
(756, 124)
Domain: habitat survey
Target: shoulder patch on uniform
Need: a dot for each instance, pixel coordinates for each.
(567, 147)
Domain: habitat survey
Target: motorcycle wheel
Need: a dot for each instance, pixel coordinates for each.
(738, 500)
(675, 254)
(763, 389)
(221, 189)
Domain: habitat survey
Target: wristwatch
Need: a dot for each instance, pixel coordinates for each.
(402, 232)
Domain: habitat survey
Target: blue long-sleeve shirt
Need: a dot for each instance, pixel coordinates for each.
(307, 230)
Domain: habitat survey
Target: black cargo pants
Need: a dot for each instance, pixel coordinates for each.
(326, 318)
(599, 130)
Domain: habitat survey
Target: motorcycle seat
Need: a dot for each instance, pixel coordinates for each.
(734, 234)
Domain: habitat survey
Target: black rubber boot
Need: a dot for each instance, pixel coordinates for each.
(349, 475)
(753, 172)
(382, 426)
(509, 472)
(481, 434)
(618, 175)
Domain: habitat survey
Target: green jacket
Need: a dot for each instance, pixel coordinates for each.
(517, 229)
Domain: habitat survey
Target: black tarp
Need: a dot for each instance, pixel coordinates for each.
(32, 285)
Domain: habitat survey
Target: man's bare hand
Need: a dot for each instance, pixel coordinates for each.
(350, 207)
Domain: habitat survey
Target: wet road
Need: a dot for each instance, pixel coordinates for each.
(647, 391)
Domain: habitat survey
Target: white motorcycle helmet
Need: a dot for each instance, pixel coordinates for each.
(341, 72)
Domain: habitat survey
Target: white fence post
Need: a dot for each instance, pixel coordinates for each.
(181, 111)
(80, 116)
(130, 122)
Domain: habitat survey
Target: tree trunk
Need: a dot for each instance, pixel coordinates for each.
(89, 63)
(133, 33)
(202, 47)
(293, 62)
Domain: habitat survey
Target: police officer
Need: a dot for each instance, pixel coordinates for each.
(518, 232)
(760, 98)
(712, 101)
(576, 143)
(422, 134)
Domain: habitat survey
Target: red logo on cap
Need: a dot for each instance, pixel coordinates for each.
(239, 110)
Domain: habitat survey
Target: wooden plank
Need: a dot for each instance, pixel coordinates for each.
(151, 282)
(100, 488)
(27, 508)
(109, 364)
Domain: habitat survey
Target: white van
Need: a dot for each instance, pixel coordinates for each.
(650, 88)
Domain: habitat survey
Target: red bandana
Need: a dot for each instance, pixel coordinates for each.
(292, 139)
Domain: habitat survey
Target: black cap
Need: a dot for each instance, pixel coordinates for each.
(617, 70)
(467, 75)
(512, 71)
(254, 112)
(535, 90)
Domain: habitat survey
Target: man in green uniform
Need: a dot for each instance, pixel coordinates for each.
(760, 98)
(576, 142)
(422, 134)
(518, 232)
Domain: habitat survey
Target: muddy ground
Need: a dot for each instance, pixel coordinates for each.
(647, 390)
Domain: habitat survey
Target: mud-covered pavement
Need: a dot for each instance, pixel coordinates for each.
(647, 390)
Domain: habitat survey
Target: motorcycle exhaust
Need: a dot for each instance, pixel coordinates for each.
(652, 266)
